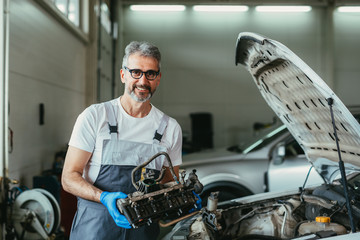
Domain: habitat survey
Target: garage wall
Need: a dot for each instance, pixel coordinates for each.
(346, 59)
(199, 72)
(47, 65)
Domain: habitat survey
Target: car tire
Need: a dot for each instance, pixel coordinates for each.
(227, 191)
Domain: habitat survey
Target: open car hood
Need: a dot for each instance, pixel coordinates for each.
(299, 97)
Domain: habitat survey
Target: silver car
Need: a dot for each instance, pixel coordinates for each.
(329, 136)
(242, 171)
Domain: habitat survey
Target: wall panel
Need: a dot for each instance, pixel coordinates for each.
(47, 65)
(199, 72)
(347, 51)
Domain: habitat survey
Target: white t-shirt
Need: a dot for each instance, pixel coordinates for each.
(91, 128)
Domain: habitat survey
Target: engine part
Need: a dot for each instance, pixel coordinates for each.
(35, 215)
(168, 202)
(321, 223)
(211, 216)
(212, 201)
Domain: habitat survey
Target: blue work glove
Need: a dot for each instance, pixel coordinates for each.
(198, 203)
(108, 199)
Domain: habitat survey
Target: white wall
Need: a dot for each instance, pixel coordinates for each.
(199, 72)
(47, 65)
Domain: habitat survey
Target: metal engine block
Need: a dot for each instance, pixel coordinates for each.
(154, 201)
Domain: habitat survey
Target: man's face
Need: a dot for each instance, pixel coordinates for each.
(142, 89)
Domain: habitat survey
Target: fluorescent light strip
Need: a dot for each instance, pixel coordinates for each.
(283, 8)
(349, 9)
(157, 8)
(220, 8)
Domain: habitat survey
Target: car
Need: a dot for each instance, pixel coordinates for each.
(231, 170)
(329, 136)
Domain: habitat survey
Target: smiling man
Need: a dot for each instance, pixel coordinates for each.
(110, 139)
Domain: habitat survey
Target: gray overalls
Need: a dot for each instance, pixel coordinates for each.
(92, 220)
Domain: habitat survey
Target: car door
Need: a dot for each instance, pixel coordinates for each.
(288, 167)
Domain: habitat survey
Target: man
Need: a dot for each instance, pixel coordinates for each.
(109, 140)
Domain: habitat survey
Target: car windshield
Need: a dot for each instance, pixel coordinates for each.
(269, 135)
(259, 141)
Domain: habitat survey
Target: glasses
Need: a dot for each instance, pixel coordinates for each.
(137, 73)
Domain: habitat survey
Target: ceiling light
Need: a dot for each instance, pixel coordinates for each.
(349, 9)
(157, 8)
(220, 8)
(283, 8)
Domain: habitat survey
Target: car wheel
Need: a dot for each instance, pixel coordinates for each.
(227, 191)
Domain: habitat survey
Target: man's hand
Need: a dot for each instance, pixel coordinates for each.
(108, 199)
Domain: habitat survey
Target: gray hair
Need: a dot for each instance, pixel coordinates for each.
(144, 48)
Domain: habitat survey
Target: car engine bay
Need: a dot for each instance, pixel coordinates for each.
(309, 214)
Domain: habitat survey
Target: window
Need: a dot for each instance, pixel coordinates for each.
(105, 17)
(71, 9)
(73, 14)
(293, 148)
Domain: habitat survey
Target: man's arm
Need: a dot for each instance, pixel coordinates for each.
(72, 180)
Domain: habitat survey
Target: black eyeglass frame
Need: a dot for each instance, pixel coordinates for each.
(142, 73)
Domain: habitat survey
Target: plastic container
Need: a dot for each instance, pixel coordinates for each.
(321, 223)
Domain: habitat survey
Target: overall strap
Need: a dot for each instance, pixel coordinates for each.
(160, 131)
(110, 113)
